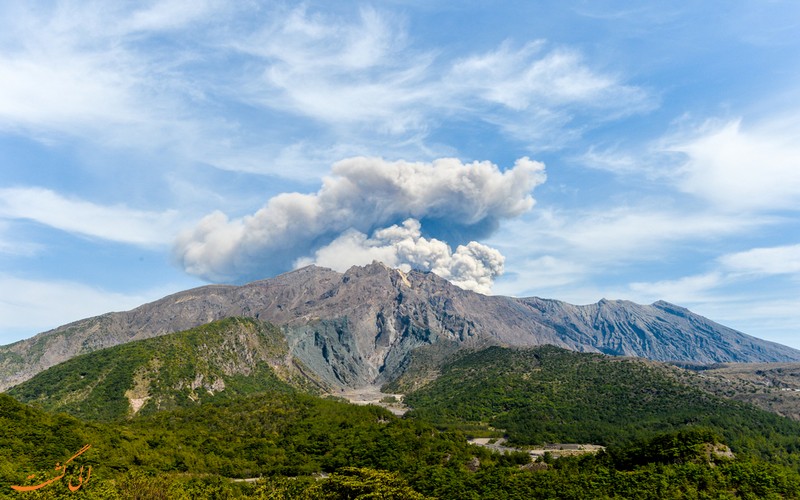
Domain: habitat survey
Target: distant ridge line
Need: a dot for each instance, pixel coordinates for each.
(360, 327)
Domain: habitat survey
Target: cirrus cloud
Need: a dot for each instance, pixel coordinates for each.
(113, 223)
(764, 261)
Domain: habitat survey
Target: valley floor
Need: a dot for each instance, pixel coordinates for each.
(556, 450)
(372, 395)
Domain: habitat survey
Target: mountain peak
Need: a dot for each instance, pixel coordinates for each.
(670, 307)
(365, 325)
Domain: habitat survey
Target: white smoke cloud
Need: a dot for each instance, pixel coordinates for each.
(473, 266)
(454, 202)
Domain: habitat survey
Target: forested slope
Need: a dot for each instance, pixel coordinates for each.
(548, 394)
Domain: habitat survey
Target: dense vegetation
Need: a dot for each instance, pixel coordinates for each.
(32, 440)
(220, 360)
(548, 394)
(662, 437)
(276, 434)
(291, 439)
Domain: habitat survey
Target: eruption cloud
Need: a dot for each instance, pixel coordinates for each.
(472, 266)
(415, 212)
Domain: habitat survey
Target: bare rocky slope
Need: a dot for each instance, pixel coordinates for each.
(774, 387)
(358, 328)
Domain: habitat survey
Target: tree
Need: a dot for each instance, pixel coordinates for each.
(354, 483)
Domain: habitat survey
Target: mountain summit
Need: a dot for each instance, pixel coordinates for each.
(361, 327)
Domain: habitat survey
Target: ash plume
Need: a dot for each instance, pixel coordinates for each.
(473, 266)
(414, 211)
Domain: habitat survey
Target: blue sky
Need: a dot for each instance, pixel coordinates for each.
(568, 150)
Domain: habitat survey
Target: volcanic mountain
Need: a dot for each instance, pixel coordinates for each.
(364, 326)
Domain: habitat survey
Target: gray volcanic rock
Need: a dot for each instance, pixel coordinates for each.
(358, 328)
(660, 331)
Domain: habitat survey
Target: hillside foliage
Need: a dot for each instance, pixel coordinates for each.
(221, 360)
(551, 395)
(662, 437)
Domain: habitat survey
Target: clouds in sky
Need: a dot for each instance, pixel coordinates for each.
(100, 75)
(343, 72)
(451, 201)
(62, 70)
(742, 267)
(736, 168)
(367, 73)
(113, 223)
(712, 187)
(765, 261)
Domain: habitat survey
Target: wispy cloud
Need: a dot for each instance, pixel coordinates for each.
(536, 91)
(561, 253)
(95, 74)
(740, 165)
(168, 15)
(11, 246)
(726, 272)
(114, 223)
(368, 73)
(540, 274)
(743, 168)
(98, 77)
(537, 76)
(685, 290)
(764, 261)
(51, 88)
(341, 72)
(622, 233)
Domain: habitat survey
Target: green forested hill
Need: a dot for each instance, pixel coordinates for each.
(548, 394)
(33, 440)
(659, 431)
(224, 359)
(307, 447)
(274, 434)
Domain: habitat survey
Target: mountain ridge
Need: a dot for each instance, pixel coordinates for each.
(358, 327)
(219, 360)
